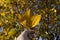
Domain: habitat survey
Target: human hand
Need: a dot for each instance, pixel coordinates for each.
(23, 35)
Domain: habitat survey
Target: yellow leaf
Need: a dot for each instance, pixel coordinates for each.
(3, 14)
(29, 20)
(20, 17)
(23, 23)
(28, 14)
(35, 20)
(12, 32)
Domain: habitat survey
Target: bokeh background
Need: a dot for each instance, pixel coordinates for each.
(47, 29)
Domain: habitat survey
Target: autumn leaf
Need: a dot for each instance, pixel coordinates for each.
(35, 20)
(3, 14)
(12, 32)
(29, 19)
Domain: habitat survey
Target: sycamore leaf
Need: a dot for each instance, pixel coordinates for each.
(29, 20)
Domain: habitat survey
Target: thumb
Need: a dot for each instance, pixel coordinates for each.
(23, 35)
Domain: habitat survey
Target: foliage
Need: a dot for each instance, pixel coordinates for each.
(28, 19)
(48, 27)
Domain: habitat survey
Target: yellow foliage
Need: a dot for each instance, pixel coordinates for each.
(54, 10)
(12, 32)
(2, 1)
(29, 20)
(1, 23)
(35, 20)
(2, 14)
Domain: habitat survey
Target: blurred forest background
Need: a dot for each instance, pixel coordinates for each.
(47, 29)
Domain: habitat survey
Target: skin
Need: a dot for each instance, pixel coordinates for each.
(23, 35)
